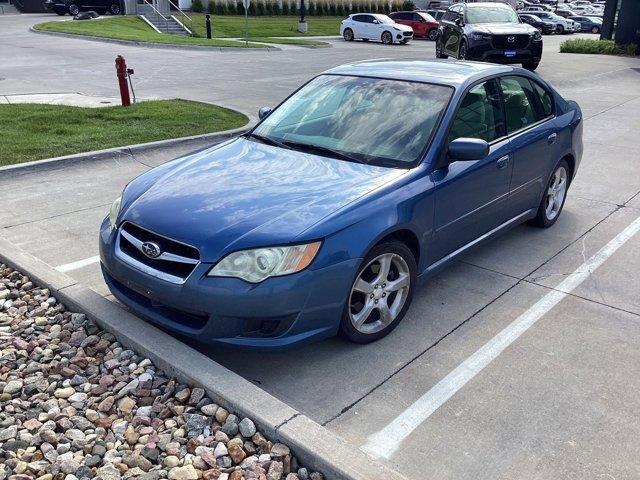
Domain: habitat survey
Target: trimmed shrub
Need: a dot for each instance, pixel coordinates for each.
(196, 6)
(606, 47)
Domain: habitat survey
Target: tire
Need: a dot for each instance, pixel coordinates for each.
(531, 66)
(433, 34)
(547, 214)
(114, 9)
(362, 319)
(347, 35)
(386, 38)
(439, 53)
(559, 29)
(73, 9)
(595, 30)
(462, 51)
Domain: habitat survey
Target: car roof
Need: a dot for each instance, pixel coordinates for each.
(486, 4)
(442, 72)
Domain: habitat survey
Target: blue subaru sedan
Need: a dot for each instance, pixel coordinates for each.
(326, 216)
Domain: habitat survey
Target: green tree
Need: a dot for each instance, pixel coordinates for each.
(196, 6)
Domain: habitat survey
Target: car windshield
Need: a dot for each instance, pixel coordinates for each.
(384, 19)
(369, 120)
(427, 17)
(486, 14)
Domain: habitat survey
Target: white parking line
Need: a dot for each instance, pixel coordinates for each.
(67, 267)
(387, 441)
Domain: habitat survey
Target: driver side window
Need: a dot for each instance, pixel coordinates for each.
(479, 114)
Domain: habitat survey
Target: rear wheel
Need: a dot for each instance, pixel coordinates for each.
(433, 34)
(386, 38)
(73, 9)
(531, 66)
(595, 30)
(347, 35)
(553, 197)
(439, 53)
(462, 51)
(559, 29)
(114, 9)
(381, 293)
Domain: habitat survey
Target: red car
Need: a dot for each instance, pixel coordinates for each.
(423, 24)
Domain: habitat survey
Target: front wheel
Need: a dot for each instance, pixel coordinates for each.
(386, 38)
(554, 196)
(595, 30)
(114, 9)
(433, 34)
(380, 294)
(559, 29)
(531, 66)
(73, 9)
(347, 35)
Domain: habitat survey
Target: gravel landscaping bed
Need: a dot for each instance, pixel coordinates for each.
(75, 404)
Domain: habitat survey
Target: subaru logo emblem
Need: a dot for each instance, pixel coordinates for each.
(511, 39)
(150, 249)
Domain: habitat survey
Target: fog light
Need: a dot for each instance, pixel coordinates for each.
(399, 37)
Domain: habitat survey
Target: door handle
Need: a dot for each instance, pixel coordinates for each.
(502, 162)
(552, 138)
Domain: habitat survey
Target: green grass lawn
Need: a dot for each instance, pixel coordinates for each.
(132, 29)
(33, 132)
(263, 29)
(278, 26)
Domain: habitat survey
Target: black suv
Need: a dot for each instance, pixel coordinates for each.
(490, 32)
(73, 7)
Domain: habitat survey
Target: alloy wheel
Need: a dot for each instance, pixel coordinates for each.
(556, 193)
(379, 293)
(347, 35)
(115, 9)
(386, 38)
(73, 9)
(433, 34)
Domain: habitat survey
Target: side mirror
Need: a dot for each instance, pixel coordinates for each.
(264, 112)
(467, 149)
(458, 22)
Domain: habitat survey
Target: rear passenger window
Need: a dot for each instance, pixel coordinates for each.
(546, 103)
(520, 103)
(479, 114)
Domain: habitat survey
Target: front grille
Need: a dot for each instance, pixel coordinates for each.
(408, 34)
(502, 42)
(174, 264)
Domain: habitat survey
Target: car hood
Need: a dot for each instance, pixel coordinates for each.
(246, 194)
(504, 28)
(403, 28)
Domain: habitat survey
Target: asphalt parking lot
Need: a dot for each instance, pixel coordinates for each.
(453, 392)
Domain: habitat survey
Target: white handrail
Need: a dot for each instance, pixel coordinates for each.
(184, 14)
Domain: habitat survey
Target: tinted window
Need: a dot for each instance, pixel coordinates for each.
(402, 16)
(359, 18)
(479, 114)
(519, 103)
(546, 102)
(448, 16)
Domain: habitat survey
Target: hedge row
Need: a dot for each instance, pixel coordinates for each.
(590, 45)
(330, 9)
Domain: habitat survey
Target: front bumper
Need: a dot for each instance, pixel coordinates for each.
(485, 52)
(277, 313)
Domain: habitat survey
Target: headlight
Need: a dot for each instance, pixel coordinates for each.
(537, 35)
(115, 210)
(480, 36)
(261, 263)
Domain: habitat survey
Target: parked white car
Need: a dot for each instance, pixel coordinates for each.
(376, 27)
(563, 25)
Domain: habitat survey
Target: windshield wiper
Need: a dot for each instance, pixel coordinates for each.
(325, 150)
(265, 139)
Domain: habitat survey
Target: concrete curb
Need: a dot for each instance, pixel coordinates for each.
(314, 445)
(92, 38)
(197, 141)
